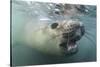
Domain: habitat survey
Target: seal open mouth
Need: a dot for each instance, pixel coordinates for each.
(69, 40)
(69, 46)
(73, 31)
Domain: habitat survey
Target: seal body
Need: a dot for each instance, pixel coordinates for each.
(58, 38)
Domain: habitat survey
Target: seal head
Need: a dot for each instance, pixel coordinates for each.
(71, 32)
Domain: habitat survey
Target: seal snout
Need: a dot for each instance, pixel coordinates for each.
(73, 32)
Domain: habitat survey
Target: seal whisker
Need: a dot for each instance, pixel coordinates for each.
(88, 33)
(88, 38)
(90, 27)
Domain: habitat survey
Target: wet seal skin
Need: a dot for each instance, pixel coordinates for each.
(58, 38)
(73, 31)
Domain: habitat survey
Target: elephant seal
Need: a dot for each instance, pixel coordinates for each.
(57, 38)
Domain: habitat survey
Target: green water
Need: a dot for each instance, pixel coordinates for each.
(23, 54)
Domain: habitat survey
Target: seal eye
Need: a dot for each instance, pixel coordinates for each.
(56, 12)
(54, 25)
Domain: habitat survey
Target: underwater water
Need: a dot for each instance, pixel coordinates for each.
(24, 54)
